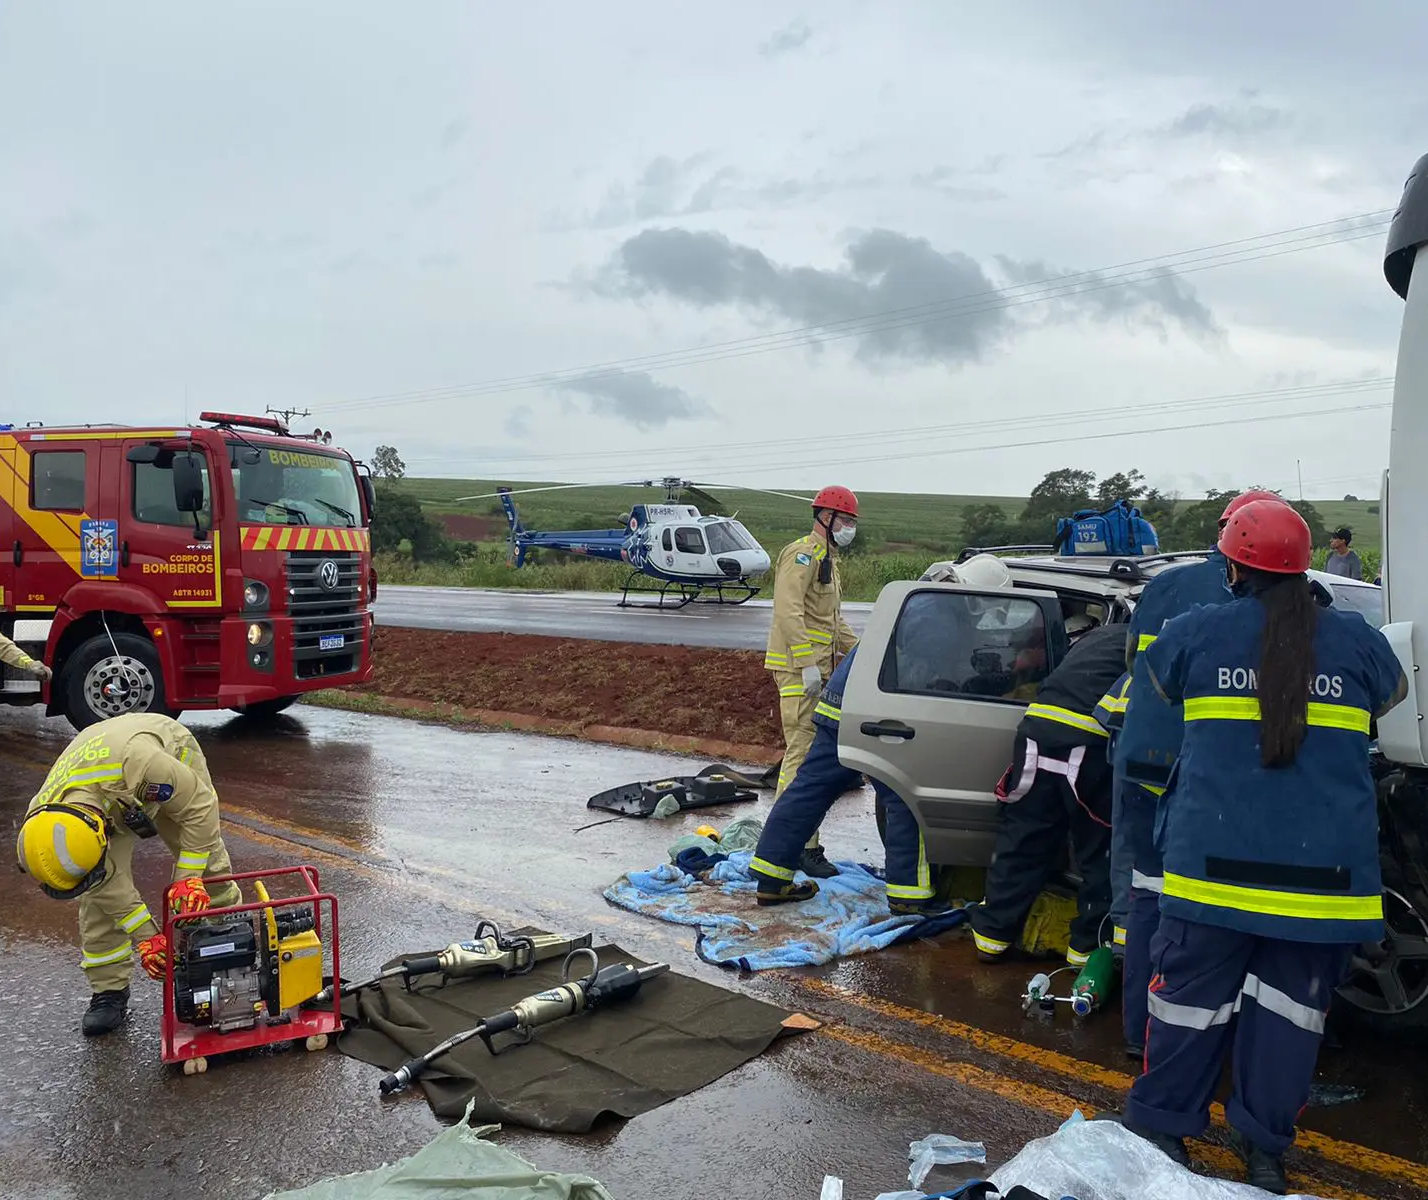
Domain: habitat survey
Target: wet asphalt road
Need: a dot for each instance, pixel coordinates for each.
(594, 615)
(420, 830)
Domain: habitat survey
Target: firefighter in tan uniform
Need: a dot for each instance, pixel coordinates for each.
(12, 656)
(808, 636)
(127, 778)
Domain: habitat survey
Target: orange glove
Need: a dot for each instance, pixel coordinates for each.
(154, 955)
(188, 896)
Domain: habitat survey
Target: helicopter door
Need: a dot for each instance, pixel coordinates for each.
(690, 553)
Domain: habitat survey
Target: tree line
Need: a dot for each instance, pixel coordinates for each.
(1068, 490)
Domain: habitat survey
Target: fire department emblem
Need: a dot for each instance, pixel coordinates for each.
(98, 547)
(327, 575)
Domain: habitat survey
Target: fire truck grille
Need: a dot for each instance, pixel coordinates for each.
(324, 591)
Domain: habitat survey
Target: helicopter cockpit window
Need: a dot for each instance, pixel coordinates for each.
(724, 538)
(668, 540)
(689, 540)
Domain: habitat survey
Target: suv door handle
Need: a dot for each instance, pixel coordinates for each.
(895, 729)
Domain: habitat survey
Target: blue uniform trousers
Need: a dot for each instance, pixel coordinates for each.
(1122, 855)
(820, 780)
(1276, 992)
(1141, 924)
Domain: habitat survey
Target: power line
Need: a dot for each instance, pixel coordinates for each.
(922, 433)
(950, 309)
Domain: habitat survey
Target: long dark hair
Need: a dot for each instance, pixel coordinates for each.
(1286, 663)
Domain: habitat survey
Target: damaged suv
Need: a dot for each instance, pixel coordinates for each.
(944, 674)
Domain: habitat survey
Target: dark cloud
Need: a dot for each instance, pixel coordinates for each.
(1154, 298)
(905, 299)
(1222, 120)
(791, 37)
(636, 397)
(455, 132)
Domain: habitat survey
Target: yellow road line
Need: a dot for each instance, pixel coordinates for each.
(1029, 1095)
(1344, 1154)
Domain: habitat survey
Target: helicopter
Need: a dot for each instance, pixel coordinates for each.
(673, 550)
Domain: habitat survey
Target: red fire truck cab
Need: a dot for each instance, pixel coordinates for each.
(160, 569)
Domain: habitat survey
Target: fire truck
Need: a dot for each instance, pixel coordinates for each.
(158, 568)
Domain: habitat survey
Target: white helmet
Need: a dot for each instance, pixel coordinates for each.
(981, 570)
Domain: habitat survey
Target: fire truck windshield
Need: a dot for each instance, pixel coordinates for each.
(293, 487)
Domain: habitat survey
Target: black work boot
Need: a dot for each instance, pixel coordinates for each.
(920, 908)
(1173, 1146)
(105, 1013)
(1262, 1169)
(815, 863)
(770, 892)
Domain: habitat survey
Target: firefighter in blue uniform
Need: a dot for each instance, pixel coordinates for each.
(1269, 832)
(797, 813)
(1059, 783)
(1143, 754)
(821, 779)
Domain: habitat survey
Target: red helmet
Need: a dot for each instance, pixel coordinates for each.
(839, 499)
(1268, 535)
(1238, 502)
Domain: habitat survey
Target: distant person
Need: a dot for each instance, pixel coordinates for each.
(808, 636)
(1342, 560)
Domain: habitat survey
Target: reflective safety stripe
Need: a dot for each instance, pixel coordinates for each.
(1076, 959)
(192, 860)
(817, 635)
(791, 689)
(1246, 708)
(764, 867)
(104, 960)
(1271, 999)
(1118, 936)
(83, 776)
(1064, 716)
(922, 889)
(136, 918)
(831, 711)
(989, 945)
(1145, 640)
(802, 650)
(1147, 883)
(775, 660)
(1154, 791)
(1187, 1016)
(185, 753)
(1275, 904)
(1110, 702)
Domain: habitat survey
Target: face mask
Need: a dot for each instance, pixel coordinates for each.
(845, 536)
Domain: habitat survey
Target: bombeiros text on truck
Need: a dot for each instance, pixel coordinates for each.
(155, 568)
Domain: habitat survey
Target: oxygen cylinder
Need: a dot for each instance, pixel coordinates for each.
(1093, 985)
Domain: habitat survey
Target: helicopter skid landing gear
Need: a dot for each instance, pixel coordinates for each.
(732, 591)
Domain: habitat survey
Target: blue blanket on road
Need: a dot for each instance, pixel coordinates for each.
(848, 916)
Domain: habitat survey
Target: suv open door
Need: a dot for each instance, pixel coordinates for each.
(943, 676)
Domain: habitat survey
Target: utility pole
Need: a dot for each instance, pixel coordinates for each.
(1300, 469)
(288, 414)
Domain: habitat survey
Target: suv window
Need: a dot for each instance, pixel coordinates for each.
(952, 642)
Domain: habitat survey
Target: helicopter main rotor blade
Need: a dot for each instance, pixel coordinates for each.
(552, 487)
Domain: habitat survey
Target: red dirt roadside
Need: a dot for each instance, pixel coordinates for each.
(582, 685)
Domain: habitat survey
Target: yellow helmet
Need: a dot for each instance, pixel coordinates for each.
(63, 847)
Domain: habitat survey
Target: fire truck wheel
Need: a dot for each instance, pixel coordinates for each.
(97, 685)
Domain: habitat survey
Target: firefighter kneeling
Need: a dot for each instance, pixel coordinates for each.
(123, 779)
(1059, 781)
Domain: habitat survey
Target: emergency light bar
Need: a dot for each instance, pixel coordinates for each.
(270, 424)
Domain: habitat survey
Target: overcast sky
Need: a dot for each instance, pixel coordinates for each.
(574, 241)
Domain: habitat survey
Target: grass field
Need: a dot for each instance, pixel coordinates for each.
(898, 533)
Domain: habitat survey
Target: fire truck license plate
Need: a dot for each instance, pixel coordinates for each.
(332, 641)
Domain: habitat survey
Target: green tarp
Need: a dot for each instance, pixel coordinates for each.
(459, 1164)
(673, 1037)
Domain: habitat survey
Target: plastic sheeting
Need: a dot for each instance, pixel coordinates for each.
(458, 1164)
(1102, 1160)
